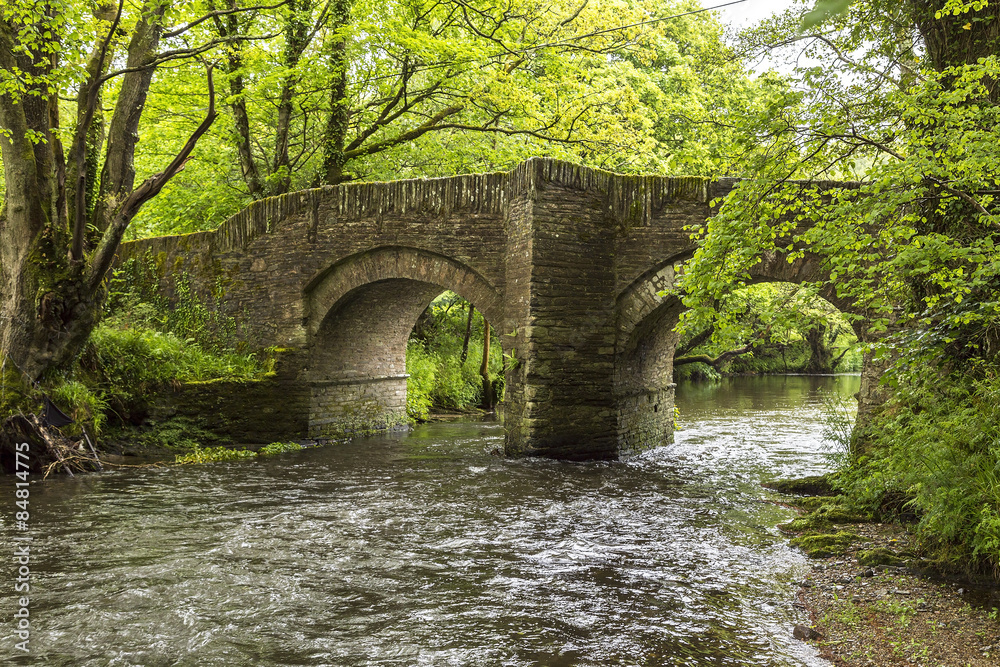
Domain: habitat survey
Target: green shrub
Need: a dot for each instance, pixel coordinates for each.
(212, 454)
(937, 442)
(438, 376)
(81, 403)
(279, 448)
(123, 365)
(421, 368)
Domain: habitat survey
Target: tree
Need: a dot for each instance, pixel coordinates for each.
(316, 91)
(65, 210)
(903, 97)
(767, 321)
(382, 91)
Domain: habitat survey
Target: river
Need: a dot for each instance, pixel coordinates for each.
(424, 548)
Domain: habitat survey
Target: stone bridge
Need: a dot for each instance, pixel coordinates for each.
(569, 264)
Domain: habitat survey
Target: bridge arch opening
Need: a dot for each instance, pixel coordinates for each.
(361, 312)
(648, 312)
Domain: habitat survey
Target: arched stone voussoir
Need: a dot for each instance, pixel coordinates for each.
(326, 289)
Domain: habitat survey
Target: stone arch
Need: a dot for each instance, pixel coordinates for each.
(647, 312)
(360, 313)
(648, 293)
(397, 263)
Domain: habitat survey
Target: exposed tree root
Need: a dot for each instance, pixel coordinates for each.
(50, 449)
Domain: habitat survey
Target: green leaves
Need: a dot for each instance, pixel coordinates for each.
(824, 10)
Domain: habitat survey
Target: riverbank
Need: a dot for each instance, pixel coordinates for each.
(868, 613)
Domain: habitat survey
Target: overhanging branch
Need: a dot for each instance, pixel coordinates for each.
(104, 255)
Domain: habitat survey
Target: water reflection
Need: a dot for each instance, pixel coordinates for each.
(424, 549)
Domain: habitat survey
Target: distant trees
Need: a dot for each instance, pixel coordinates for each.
(765, 324)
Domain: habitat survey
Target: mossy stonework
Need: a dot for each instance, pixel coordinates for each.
(572, 266)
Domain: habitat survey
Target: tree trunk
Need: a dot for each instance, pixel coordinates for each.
(296, 41)
(228, 27)
(468, 334)
(820, 356)
(335, 138)
(51, 279)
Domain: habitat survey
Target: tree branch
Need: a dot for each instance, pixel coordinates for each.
(219, 12)
(718, 361)
(79, 149)
(105, 253)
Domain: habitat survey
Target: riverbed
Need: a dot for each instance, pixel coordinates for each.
(425, 548)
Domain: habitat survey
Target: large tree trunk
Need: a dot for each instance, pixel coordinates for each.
(335, 137)
(50, 275)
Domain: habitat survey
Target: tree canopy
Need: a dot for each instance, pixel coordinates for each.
(381, 91)
(902, 99)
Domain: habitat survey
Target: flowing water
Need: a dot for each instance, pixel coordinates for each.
(423, 548)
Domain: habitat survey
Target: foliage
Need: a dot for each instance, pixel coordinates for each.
(134, 300)
(279, 448)
(838, 426)
(127, 363)
(144, 345)
(213, 454)
(438, 376)
(913, 243)
(81, 403)
(775, 328)
(387, 91)
(70, 184)
(938, 440)
(421, 368)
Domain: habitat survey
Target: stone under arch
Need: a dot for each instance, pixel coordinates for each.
(360, 313)
(646, 314)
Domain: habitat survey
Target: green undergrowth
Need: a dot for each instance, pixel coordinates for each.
(932, 456)
(145, 345)
(439, 380)
(121, 369)
(214, 454)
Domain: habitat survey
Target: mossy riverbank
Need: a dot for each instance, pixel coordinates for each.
(876, 596)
